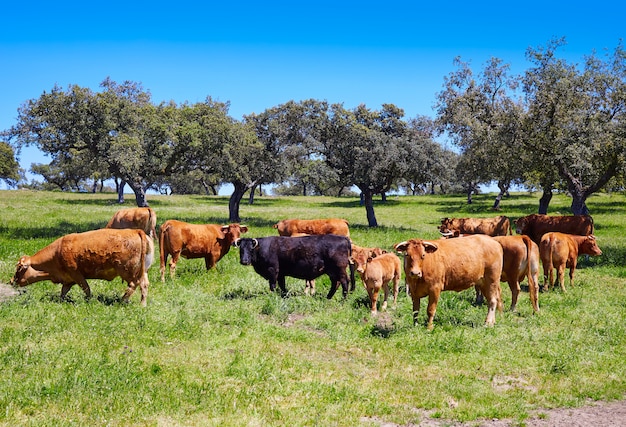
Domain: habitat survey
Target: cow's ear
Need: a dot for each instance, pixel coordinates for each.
(430, 247)
(401, 247)
(369, 259)
(243, 229)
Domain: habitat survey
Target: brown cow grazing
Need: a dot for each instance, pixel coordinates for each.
(376, 273)
(560, 250)
(536, 225)
(496, 226)
(294, 227)
(140, 218)
(208, 241)
(520, 259)
(431, 267)
(98, 254)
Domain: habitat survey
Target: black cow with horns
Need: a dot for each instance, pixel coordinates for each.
(306, 257)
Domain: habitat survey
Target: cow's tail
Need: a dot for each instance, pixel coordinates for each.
(533, 286)
(162, 246)
(152, 221)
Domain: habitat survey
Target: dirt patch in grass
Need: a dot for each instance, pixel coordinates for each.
(7, 292)
(605, 414)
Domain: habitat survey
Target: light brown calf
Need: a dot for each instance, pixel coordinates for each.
(376, 273)
(560, 250)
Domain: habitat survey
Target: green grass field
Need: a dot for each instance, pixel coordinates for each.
(217, 348)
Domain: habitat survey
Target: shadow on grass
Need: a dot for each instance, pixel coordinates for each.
(61, 229)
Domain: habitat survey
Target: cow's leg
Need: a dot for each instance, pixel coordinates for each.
(479, 296)
(433, 299)
(572, 268)
(209, 263)
(561, 275)
(130, 290)
(65, 289)
(173, 262)
(515, 290)
(372, 292)
(164, 256)
(416, 307)
(309, 287)
(85, 287)
(352, 278)
(386, 294)
(493, 303)
(143, 285)
(283, 286)
(396, 286)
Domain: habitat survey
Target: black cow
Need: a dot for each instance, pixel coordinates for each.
(306, 257)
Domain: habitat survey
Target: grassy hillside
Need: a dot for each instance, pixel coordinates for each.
(217, 348)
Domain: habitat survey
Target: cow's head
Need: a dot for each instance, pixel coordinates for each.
(246, 249)
(360, 258)
(20, 278)
(282, 227)
(446, 223)
(521, 224)
(415, 251)
(233, 231)
(589, 246)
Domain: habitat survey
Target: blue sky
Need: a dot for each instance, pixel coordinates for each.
(260, 54)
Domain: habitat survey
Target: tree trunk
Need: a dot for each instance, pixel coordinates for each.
(544, 202)
(383, 197)
(251, 196)
(140, 194)
(235, 201)
(120, 191)
(504, 188)
(94, 187)
(369, 208)
(579, 205)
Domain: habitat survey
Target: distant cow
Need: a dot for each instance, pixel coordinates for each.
(299, 227)
(208, 241)
(520, 259)
(536, 225)
(560, 250)
(376, 272)
(98, 254)
(307, 257)
(496, 226)
(432, 267)
(140, 218)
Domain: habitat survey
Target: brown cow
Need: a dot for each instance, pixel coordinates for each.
(98, 254)
(292, 227)
(560, 250)
(431, 267)
(208, 241)
(536, 225)
(140, 218)
(496, 226)
(376, 273)
(520, 259)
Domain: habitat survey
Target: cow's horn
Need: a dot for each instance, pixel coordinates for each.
(236, 243)
(256, 243)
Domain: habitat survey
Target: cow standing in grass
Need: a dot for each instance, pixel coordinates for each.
(376, 272)
(560, 250)
(98, 254)
(432, 267)
(306, 257)
(208, 241)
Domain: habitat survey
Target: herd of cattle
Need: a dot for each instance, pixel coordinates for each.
(477, 252)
